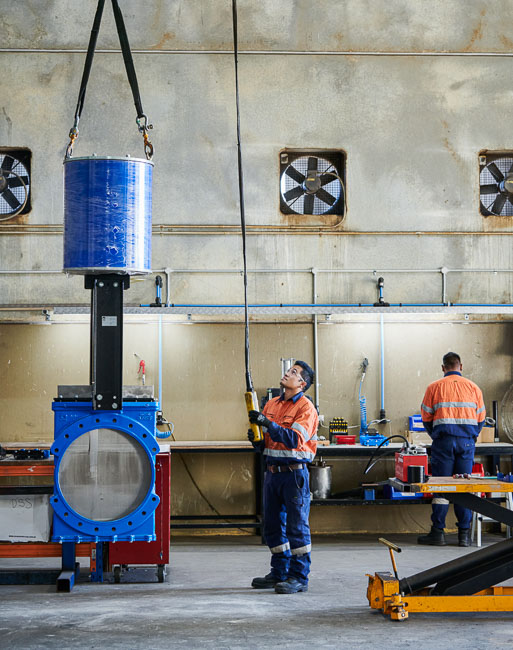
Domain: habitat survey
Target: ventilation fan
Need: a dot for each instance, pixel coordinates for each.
(14, 186)
(312, 184)
(496, 187)
(506, 412)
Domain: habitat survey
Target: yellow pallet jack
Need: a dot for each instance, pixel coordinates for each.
(461, 585)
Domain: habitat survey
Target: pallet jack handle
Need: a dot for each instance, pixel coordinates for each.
(391, 547)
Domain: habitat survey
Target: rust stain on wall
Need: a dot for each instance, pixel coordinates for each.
(507, 42)
(18, 220)
(447, 144)
(494, 222)
(477, 33)
(321, 220)
(166, 37)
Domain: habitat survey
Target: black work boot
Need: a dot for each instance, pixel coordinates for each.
(435, 537)
(267, 582)
(464, 537)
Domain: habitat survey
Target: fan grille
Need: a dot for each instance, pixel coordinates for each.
(493, 201)
(13, 197)
(297, 200)
(506, 412)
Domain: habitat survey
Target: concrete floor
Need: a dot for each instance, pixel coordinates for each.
(206, 602)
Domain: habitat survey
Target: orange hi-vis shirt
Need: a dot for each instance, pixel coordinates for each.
(453, 405)
(292, 436)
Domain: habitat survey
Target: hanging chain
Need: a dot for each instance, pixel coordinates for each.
(144, 127)
(73, 135)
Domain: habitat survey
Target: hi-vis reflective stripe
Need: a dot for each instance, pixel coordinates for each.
(299, 427)
(289, 453)
(281, 548)
(480, 410)
(471, 421)
(302, 550)
(439, 501)
(426, 408)
(471, 405)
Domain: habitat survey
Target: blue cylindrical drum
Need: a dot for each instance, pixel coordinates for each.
(107, 215)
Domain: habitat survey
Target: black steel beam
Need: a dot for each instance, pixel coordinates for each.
(482, 506)
(477, 578)
(476, 562)
(29, 576)
(106, 367)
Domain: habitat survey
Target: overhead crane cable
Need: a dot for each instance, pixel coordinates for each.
(249, 382)
(250, 394)
(142, 121)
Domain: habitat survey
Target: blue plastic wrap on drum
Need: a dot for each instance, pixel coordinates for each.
(107, 215)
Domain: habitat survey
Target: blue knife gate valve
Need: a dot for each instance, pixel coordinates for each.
(104, 473)
(105, 437)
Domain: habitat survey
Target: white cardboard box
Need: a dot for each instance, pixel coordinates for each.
(25, 518)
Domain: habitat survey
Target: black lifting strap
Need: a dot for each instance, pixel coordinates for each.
(142, 120)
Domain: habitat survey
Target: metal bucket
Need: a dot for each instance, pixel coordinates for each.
(320, 479)
(107, 215)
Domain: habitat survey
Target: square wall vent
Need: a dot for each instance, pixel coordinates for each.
(312, 182)
(14, 182)
(496, 183)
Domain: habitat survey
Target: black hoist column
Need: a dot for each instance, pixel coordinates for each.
(106, 365)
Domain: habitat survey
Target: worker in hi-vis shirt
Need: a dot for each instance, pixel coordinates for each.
(453, 414)
(289, 424)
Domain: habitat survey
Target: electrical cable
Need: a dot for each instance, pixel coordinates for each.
(200, 491)
(387, 452)
(249, 382)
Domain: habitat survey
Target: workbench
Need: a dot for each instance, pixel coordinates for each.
(492, 452)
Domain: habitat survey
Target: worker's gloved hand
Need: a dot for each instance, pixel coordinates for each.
(255, 417)
(258, 446)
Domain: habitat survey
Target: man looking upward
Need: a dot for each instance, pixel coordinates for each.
(289, 424)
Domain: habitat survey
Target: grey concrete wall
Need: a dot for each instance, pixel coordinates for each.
(412, 91)
(411, 125)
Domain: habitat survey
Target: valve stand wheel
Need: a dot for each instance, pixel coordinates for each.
(117, 574)
(161, 572)
(14, 187)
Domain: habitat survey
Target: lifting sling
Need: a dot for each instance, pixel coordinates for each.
(142, 121)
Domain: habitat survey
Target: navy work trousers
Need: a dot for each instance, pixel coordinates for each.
(451, 455)
(286, 526)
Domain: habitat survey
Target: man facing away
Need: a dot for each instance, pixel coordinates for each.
(453, 414)
(289, 424)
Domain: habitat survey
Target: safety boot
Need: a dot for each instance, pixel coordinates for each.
(436, 537)
(290, 586)
(266, 582)
(464, 537)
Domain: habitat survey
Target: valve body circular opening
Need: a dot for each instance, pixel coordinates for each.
(105, 474)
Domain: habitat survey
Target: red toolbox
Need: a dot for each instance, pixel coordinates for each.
(405, 458)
